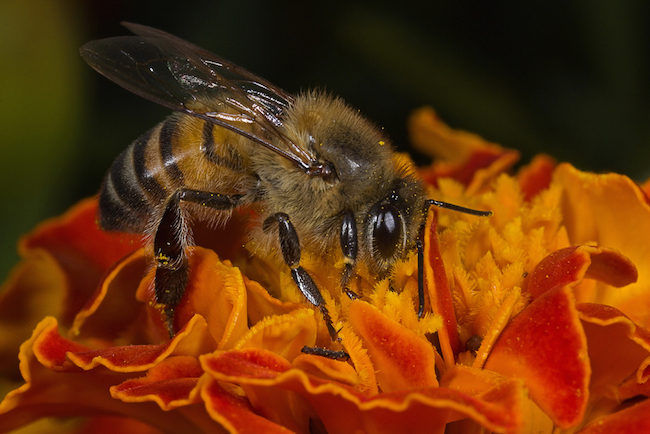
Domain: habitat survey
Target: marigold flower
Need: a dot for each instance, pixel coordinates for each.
(538, 319)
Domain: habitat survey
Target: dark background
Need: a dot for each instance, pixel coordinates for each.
(565, 78)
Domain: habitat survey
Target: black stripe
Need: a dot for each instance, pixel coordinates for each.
(166, 139)
(146, 179)
(125, 185)
(234, 162)
(114, 215)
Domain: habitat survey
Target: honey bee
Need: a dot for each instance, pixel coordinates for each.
(319, 174)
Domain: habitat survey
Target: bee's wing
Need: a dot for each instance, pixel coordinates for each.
(186, 78)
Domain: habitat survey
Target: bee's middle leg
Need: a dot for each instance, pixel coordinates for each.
(290, 247)
(171, 238)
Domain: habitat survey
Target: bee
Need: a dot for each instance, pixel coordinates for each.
(319, 174)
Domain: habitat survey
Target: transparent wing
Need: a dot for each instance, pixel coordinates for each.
(186, 78)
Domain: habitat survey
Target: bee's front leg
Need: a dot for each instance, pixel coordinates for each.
(350, 247)
(290, 246)
(170, 241)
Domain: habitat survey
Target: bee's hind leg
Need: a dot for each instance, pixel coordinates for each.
(290, 246)
(172, 267)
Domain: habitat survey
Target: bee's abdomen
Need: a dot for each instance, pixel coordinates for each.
(132, 190)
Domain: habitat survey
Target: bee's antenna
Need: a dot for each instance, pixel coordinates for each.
(458, 208)
(420, 239)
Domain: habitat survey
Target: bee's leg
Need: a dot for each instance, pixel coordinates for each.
(290, 246)
(324, 352)
(172, 269)
(171, 261)
(350, 247)
(420, 248)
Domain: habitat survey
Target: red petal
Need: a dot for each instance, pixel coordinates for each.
(253, 366)
(171, 384)
(546, 347)
(235, 413)
(84, 251)
(439, 292)
(465, 157)
(113, 312)
(570, 265)
(537, 176)
(192, 340)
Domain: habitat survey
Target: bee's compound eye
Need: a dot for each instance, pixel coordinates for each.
(386, 230)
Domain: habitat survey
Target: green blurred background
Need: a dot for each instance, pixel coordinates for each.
(566, 78)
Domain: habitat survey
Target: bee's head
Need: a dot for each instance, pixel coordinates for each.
(392, 223)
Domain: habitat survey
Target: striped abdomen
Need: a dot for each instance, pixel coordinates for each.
(180, 152)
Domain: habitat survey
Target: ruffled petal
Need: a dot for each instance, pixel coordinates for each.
(342, 410)
(216, 291)
(631, 420)
(612, 211)
(172, 383)
(611, 334)
(70, 391)
(113, 313)
(35, 289)
(234, 413)
(570, 265)
(83, 251)
(193, 340)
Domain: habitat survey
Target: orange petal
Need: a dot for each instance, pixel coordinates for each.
(499, 322)
(631, 420)
(217, 292)
(618, 348)
(402, 359)
(343, 410)
(35, 289)
(284, 335)
(612, 211)
(470, 380)
(570, 265)
(327, 369)
(545, 346)
(261, 304)
(112, 425)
